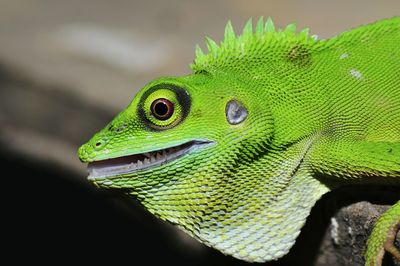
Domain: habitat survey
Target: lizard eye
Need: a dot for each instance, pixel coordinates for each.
(162, 109)
(164, 106)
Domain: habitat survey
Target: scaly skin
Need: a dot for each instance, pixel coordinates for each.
(263, 115)
(383, 236)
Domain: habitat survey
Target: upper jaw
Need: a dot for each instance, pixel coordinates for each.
(109, 168)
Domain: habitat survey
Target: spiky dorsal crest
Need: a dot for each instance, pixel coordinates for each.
(233, 44)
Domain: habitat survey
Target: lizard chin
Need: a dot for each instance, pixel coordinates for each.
(135, 162)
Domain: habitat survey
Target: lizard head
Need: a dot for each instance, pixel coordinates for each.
(205, 151)
(177, 148)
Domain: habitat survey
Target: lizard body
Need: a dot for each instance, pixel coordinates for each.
(237, 153)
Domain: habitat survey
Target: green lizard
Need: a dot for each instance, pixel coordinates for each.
(237, 153)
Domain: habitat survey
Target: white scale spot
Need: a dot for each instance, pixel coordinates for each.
(343, 56)
(349, 230)
(335, 230)
(355, 73)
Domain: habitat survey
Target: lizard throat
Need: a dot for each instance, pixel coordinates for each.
(135, 162)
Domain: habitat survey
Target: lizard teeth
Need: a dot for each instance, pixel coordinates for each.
(129, 164)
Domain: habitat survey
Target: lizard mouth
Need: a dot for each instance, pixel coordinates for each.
(131, 163)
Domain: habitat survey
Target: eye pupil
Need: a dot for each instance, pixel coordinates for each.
(162, 109)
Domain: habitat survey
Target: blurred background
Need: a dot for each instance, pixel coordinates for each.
(68, 67)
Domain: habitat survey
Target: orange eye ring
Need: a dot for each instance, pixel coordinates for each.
(162, 109)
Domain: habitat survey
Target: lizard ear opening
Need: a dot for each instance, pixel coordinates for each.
(236, 113)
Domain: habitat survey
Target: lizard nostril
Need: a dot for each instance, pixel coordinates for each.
(99, 144)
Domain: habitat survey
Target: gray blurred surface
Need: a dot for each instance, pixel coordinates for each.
(67, 67)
